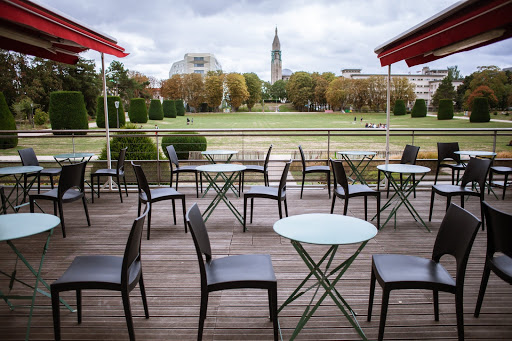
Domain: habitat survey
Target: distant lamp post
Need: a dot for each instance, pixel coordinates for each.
(116, 103)
(32, 114)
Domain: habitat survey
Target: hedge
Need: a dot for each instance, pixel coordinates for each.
(138, 112)
(67, 111)
(445, 111)
(419, 109)
(480, 110)
(399, 108)
(7, 122)
(184, 144)
(155, 110)
(112, 112)
(180, 108)
(169, 108)
(139, 148)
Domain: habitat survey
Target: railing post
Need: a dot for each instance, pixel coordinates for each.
(413, 137)
(494, 142)
(73, 141)
(329, 146)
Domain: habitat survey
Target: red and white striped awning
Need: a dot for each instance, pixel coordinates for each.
(462, 27)
(31, 28)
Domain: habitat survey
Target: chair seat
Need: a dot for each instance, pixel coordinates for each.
(411, 272)
(264, 191)
(318, 169)
(70, 195)
(93, 269)
(186, 169)
(106, 171)
(51, 171)
(501, 169)
(504, 264)
(254, 168)
(456, 166)
(241, 269)
(161, 194)
(354, 190)
(453, 189)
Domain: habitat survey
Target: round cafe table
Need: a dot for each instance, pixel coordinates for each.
(210, 156)
(357, 170)
(332, 230)
(18, 174)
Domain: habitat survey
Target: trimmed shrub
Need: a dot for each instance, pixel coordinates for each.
(169, 108)
(399, 108)
(445, 111)
(112, 112)
(180, 108)
(184, 144)
(480, 110)
(41, 117)
(67, 111)
(155, 110)
(7, 122)
(419, 109)
(139, 148)
(138, 112)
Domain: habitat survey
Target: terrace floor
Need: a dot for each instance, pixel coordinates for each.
(172, 277)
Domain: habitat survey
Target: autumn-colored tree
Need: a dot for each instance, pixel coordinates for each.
(377, 88)
(214, 89)
(359, 93)
(494, 78)
(237, 91)
(194, 90)
(338, 93)
(321, 87)
(172, 88)
(300, 89)
(141, 88)
(482, 91)
(401, 88)
(253, 83)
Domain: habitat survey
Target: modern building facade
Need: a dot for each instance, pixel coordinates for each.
(276, 67)
(426, 82)
(195, 63)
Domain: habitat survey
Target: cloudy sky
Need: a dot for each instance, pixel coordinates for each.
(315, 35)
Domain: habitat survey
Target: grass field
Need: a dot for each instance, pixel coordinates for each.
(52, 146)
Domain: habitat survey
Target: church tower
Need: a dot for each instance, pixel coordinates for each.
(276, 69)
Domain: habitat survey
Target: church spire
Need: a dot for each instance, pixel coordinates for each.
(276, 45)
(275, 63)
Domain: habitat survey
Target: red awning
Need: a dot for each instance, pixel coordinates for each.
(31, 28)
(462, 27)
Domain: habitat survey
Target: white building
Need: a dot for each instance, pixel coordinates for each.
(426, 82)
(195, 63)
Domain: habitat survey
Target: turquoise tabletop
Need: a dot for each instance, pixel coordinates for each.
(219, 152)
(20, 170)
(73, 155)
(475, 153)
(325, 229)
(356, 152)
(402, 168)
(221, 168)
(20, 225)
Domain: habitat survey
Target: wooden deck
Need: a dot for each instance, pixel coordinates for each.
(172, 277)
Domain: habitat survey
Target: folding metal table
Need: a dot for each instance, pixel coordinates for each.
(18, 173)
(365, 158)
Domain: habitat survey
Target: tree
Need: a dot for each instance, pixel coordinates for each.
(377, 89)
(399, 108)
(482, 91)
(169, 108)
(138, 113)
(494, 78)
(401, 88)
(113, 112)
(9, 78)
(359, 93)
(7, 122)
(480, 110)
(454, 73)
(278, 90)
(338, 93)
(214, 89)
(419, 109)
(155, 110)
(300, 89)
(253, 83)
(266, 91)
(460, 99)
(445, 111)
(237, 91)
(140, 85)
(172, 88)
(194, 90)
(83, 77)
(67, 111)
(444, 91)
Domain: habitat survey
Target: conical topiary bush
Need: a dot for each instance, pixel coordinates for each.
(67, 111)
(138, 113)
(445, 109)
(155, 110)
(399, 108)
(419, 109)
(7, 122)
(480, 110)
(180, 108)
(169, 108)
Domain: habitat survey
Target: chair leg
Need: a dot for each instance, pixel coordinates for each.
(241, 182)
(436, 304)
(459, 308)
(202, 315)
(483, 286)
(431, 205)
(92, 188)
(245, 213)
(302, 187)
(56, 313)
(128, 314)
(252, 208)
(201, 181)
(78, 294)
(504, 186)
(437, 173)
(177, 176)
(378, 210)
(329, 183)
(183, 205)
(413, 182)
(197, 186)
(174, 211)
(61, 213)
(285, 207)
(280, 209)
(332, 205)
(345, 206)
(365, 208)
(372, 294)
(125, 187)
(84, 200)
(143, 296)
(51, 181)
(119, 188)
(273, 311)
(38, 185)
(149, 222)
(383, 314)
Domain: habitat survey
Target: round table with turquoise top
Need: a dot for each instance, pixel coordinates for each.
(332, 230)
(18, 173)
